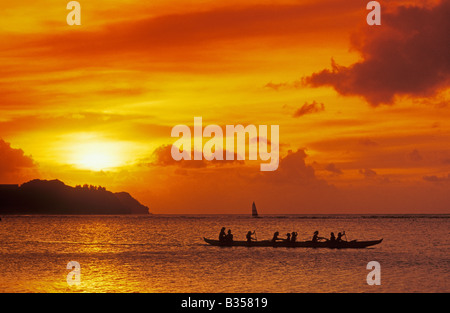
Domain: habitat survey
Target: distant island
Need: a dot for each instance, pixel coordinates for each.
(55, 197)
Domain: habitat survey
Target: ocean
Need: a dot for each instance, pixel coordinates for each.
(167, 254)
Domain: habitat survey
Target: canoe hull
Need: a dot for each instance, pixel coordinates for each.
(299, 244)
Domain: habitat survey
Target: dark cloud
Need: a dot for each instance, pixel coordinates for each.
(407, 55)
(293, 170)
(415, 156)
(308, 108)
(275, 86)
(437, 179)
(13, 162)
(368, 173)
(367, 142)
(333, 169)
(294, 163)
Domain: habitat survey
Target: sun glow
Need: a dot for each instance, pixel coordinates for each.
(97, 161)
(90, 152)
(97, 156)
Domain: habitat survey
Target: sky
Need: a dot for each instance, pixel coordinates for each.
(363, 111)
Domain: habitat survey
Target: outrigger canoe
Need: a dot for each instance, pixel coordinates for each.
(298, 244)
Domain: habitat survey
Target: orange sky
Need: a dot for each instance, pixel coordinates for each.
(363, 111)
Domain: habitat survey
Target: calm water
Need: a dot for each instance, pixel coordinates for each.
(167, 254)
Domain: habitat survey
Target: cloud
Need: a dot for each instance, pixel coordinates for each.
(114, 125)
(13, 162)
(275, 86)
(293, 188)
(368, 173)
(293, 170)
(406, 55)
(437, 179)
(162, 156)
(260, 140)
(309, 108)
(333, 169)
(367, 142)
(160, 36)
(414, 156)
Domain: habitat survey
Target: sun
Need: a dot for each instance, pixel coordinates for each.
(97, 160)
(98, 156)
(93, 153)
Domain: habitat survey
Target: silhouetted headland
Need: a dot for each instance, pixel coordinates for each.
(54, 197)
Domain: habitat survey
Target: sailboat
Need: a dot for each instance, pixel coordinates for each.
(254, 211)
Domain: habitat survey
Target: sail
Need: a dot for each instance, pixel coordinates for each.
(254, 212)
